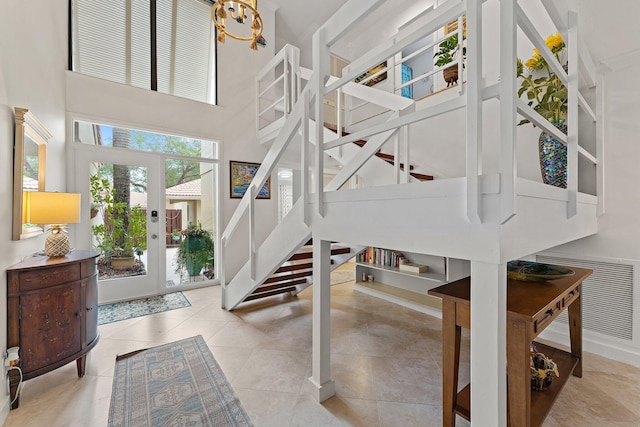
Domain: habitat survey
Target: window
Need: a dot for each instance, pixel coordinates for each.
(113, 41)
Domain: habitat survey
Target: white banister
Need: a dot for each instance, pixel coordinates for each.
(530, 30)
(304, 160)
(572, 116)
(220, 259)
(600, 146)
(474, 111)
(320, 59)
(508, 96)
(427, 24)
(252, 229)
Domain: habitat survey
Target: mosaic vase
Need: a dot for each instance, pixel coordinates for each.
(553, 157)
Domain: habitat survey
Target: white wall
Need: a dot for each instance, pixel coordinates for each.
(32, 62)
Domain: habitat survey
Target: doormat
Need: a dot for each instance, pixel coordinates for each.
(175, 384)
(109, 313)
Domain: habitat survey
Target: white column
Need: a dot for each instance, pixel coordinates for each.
(488, 344)
(321, 356)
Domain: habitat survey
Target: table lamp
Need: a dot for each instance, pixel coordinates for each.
(57, 210)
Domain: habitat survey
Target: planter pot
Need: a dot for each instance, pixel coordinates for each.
(553, 157)
(194, 267)
(122, 263)
(195, 244)
(451, 75)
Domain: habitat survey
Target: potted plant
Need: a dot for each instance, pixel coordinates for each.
(115, 237)
(195, 251)
(547, 95)
(448, 51)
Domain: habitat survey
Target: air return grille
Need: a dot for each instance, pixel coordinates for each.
(607, 296)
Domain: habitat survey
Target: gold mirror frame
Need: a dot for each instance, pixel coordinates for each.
(28, 129)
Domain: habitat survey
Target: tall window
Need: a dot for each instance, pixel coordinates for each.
(113, 41)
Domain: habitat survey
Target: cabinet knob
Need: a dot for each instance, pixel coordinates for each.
(89, 308)
(78, 314)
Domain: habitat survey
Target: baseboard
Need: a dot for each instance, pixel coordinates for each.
(401, 297)
(5, 407)
(596, 345)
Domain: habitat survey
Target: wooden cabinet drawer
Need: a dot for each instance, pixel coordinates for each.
(571, 296)
(543, 319)
(39, 278)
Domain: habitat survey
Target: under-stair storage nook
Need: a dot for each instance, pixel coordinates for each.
(407, 288)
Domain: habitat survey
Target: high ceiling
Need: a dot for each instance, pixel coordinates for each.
(609, 28)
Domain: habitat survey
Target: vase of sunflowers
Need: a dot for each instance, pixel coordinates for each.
(548, 96)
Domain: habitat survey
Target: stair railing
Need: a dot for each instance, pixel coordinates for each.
(277, 90)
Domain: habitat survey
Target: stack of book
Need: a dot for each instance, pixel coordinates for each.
(411, 267)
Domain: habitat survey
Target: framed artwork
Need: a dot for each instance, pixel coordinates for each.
(240, 176)
(377, 79)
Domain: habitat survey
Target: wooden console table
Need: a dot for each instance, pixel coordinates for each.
(52, 313)
(531, 307)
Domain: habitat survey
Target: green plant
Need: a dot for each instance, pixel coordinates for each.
(113, 239)
(545, 91)
(196, 250)
(448, 51)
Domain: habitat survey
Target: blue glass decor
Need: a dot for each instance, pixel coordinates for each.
(553, 157)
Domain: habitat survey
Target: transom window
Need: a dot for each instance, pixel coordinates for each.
(163, 45)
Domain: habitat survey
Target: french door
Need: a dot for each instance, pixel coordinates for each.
(122, 216)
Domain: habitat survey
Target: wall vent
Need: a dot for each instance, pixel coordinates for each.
(607, 296)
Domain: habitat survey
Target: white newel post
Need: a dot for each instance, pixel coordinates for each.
(488, 344)
(321, 356)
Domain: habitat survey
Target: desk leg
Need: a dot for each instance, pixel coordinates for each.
(450, 362)
(575, 333)
(518, 377)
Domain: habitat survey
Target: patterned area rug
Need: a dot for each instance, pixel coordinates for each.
(109, 313)
(342, 275)
(175, 384)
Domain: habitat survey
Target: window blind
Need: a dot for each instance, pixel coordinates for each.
(113, 42)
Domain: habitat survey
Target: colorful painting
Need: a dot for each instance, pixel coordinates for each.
(241, 175)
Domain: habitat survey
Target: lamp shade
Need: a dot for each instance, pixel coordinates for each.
(52, 208)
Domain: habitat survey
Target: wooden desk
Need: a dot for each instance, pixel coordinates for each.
(531, 307)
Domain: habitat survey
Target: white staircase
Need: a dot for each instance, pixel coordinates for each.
(487, 216)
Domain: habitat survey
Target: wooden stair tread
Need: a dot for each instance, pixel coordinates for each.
(262, 288)
(269, 294)
(293, 265)
(421, 177)
(288, 276)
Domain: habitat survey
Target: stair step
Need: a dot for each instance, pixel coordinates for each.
(289, 283)
(269, 294)
(293, 266)
(388, 157)
(421, 177)
(306, 252)
(288, 276)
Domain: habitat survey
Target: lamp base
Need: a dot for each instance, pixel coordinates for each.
(57, 245)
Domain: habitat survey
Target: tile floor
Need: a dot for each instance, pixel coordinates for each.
(385, 362)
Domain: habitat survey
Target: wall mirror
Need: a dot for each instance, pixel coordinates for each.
(29, 160)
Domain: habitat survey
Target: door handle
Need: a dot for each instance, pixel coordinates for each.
(154, 236)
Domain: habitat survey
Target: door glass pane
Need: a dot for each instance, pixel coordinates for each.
(190, 221)
(119, 219)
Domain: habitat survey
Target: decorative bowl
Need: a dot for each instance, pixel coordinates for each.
(527, 271)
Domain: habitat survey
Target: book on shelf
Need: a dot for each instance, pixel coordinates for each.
(411, 267)
(380, 256)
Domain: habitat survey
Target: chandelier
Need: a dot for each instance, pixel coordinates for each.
(241, 12)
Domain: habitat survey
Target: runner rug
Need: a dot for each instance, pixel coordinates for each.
(108, 313)
(175, 384)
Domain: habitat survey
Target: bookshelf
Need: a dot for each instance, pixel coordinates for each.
(402, 287)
